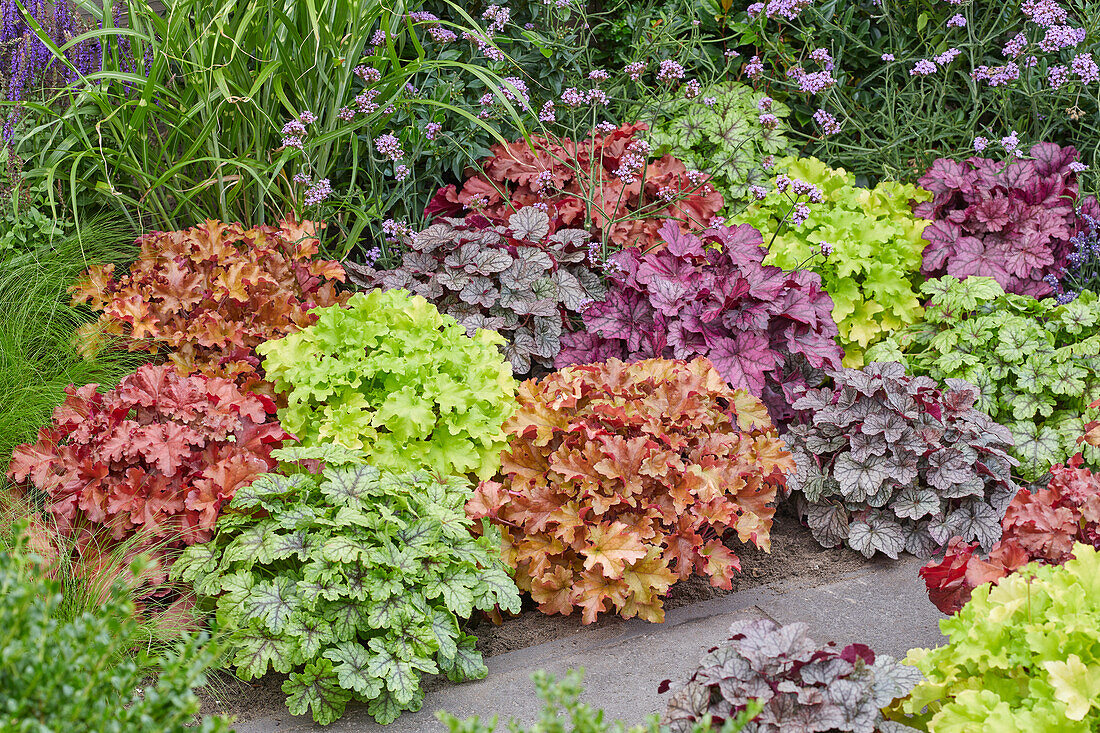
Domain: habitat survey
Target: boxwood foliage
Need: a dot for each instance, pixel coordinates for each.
(352, 579)
(887, 462)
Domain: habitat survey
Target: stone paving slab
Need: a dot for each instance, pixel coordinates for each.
(883, 605)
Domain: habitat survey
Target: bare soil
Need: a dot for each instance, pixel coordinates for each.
(794, 554)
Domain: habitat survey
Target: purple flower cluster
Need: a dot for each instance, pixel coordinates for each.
(389, 146)
(997, 76)
(318, 192)
(827, 122)
(670, 71)
(811, 82)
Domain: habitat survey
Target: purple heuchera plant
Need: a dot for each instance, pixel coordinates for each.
(518, 280)
(885, 462)
(1010, 221)
(710, 295)
(802, 686)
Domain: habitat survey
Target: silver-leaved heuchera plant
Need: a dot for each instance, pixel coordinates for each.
(802, 686)
(887, 462)
(519, 280)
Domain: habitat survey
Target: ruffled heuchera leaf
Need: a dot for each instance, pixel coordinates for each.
(621, 478)
(391, 376)
(371, 597)
(710, 295)
(1009, 221)
(211, 294)
(1044, 618)
(802, 687)
(160, 453)
(886, 462)
(515, 279)
(1038, 527)
(584, 171)
(873, 268)
(1036, 363)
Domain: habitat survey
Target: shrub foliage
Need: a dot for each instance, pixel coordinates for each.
(1036, 363)
(887, 462)
(1021, 655)
(518, 280)
(621, 478)
(1010, 221)
(211, 294)
(585, 186)
(353, 579)
(711, 296)
(160, 452)
(876, 243)
(801, 685)
(389, 373)
(1038, 527)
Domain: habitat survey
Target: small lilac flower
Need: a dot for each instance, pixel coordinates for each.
(692, 89)
(1015, 46)
(924, 67)
(389, 146)
(634, 70)
(347, 114)
(670, 71)
(800, 214)
(432, 130)
(709, 101)
(754, 67)
(958, 20)
(769, 121)
(947, 56)
(826, 249)
(598, 75)
(368, 74)
(546, 114)
(764, 104)
(828, 122)
(318, 192)
(1078, 167)
(980, 143)
(1057, 76)
(303, 178)
(401, 172)
(887, 57)
(307, 117)
(758, 192)
(1085, 67)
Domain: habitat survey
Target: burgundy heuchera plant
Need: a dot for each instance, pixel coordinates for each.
(1009, 221)
(710, 295)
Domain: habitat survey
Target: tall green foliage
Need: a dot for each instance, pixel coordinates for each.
(38, 354)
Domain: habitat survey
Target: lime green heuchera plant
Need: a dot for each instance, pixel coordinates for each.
(1023, 655)
(865, 243)
(391, 375)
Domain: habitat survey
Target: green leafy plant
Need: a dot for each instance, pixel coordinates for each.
(722, 136)
(518, 280)
(620, 479)
(390, 374)
(210, 294)
(865, 243)
(1021, 655)
(83, 674)
(354, 580)
(887, 462)
(25, 219)
(1036, 363)
(562, 701)
(800, 685)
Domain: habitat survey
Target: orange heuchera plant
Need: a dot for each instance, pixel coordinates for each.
(607, 178)
(212, 293)
(1092, 430)
(621, 478)
(160, 455)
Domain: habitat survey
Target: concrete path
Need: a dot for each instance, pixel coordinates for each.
(883, 605)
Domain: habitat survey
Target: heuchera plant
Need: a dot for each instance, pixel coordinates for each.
(874, 244)
(354, 577)
(390, 374)
(1040, 527)
(518, 280)
(724, 138)
(710, 295)
(1021, 655)
(1036, 363)
(802, 686)
(622, 478)
(603, 183)
(211, 294)
(1010, 221)
(160, 452)
(887, 462)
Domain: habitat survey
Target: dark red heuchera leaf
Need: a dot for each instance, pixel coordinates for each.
(161, 454)
(1039, 527)
(212, 293)
(1009, 221)
(585, 171)
(621, 478)
(711, 295)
